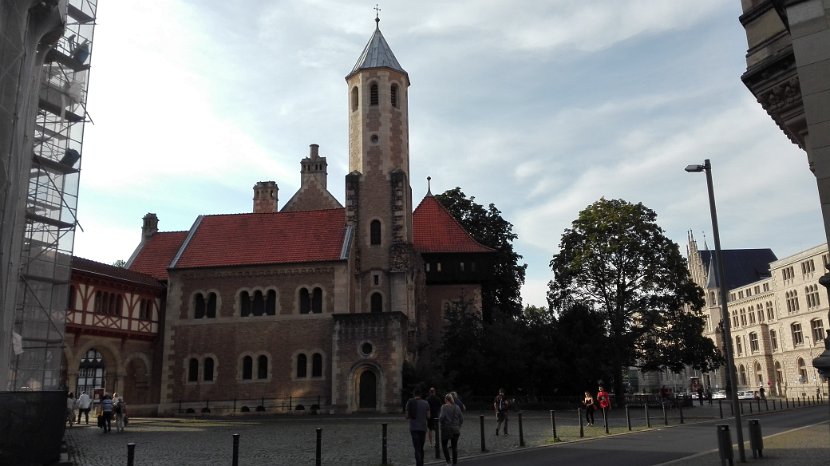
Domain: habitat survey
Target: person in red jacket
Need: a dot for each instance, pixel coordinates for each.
(604, 400)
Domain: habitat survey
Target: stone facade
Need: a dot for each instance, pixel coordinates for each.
(777, 325)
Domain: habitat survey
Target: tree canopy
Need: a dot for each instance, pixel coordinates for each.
(617, 261)
(502, 295)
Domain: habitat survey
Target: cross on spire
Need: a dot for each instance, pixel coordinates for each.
(377, 15)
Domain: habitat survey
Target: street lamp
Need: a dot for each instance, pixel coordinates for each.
(721, 281)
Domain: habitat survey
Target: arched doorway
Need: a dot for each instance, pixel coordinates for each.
(367, 390)
(137, 383)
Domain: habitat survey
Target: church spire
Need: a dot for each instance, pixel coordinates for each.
(377, 54)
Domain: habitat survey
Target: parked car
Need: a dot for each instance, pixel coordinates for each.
(719, 395)
(746, 395)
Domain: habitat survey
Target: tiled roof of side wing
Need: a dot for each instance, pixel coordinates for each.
(377, 54)
(119, 273)
(270, 238)
(436, 230)
(155, 255)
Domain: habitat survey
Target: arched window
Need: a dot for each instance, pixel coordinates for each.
(262, 367)
(712, 301)
(317, 365)
(204, 308)
(302, 362)
(798, 337)
(208, 374)
(271, 303)
(759, 375)
(355, 98)
(247, 368)
(394, 93)
(317, 301)
(305, 301)
(376, 303)
(193, 370)
(742, 374)
(802, 371)
(244, 304)
(259, 303)
(210, 312)
(374, 232)
(373, 94)
(90, 372)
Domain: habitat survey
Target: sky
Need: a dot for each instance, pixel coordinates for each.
(540, 108)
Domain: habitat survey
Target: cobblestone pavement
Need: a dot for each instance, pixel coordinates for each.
(346, 440)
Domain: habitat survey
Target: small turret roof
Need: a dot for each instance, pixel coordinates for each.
(377, 54)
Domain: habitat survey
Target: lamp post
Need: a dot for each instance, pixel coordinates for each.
(727, 333)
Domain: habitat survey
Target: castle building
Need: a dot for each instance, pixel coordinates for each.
(312, 304)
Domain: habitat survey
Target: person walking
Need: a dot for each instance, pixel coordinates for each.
(70, 408)
(458, 401)
(417, 411)
(501, 406)
(106, 409)
(590, 406)
(84, 404)
(604, 400)
(120, 410)
(434, 409)
(451, 420)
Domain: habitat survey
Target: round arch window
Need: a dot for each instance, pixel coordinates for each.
(366, 348)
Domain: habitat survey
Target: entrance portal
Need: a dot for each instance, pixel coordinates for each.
(368, 390)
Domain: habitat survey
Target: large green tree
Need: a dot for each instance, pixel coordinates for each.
(616, 260)
(501, 296)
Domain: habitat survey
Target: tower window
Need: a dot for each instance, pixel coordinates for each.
(373, 94)
(376, 303)
(374, 233)
(394, 94)
(355, 100)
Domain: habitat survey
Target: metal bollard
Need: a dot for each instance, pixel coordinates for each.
(605, 418)
(725, 444)
(665, 415)
(648, 419)
(319, 452)
(481, 422)
(553, 425)
(681, 413)
(628, 417)
(581, 430)
(720, 408)
(788, 402)
(235, 461)
(130, 454)
(384, 457)
(756, 440)
(773, 405)
(521, 432)
(750, 407)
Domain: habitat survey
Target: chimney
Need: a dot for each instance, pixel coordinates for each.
(265, 197)
(150, 227)
(314, 167)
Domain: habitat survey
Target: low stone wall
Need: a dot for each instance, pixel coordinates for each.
(31, 427)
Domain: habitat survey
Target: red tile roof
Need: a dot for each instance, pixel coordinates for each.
(156, 254)
(119, 273)
(265, 238)
(436, 230)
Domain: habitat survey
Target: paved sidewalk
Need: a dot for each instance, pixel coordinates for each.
(806, 446)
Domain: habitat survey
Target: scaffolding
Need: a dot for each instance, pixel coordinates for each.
(51, 205)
